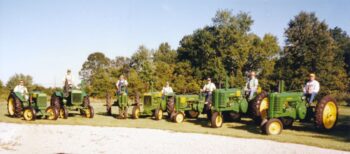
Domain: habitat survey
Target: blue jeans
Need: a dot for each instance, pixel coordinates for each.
(251, 94)
(310, 97)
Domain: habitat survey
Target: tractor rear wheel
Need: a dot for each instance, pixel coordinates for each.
(89, 112)
(51, 113)
(216, 120)
(63, 113)
(56, 102)
(170, 106)
(135, 112)
(273, 127)
(29, 114)
(158, 114)
(11, 105)
(179, 117)
(86, 101)
(326, 115)
(192, 114)
(259, 107)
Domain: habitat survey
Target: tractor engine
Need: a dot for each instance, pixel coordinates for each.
(287, 104)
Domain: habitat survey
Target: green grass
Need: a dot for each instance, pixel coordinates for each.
(305, 133)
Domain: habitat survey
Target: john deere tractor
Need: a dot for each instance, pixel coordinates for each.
(227, 104)
(122, 102)
(72, 100)
(35, 105)
(189, 106)
(154, 103)
(282, 108)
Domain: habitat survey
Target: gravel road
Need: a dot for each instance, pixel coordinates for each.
(19, 138)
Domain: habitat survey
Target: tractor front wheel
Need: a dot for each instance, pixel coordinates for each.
(89, 112)
(158, 114)
(135, 112)
(216, 120)
(326, 115)
(29, 114)
(179, 117)
(63, 113)
(51, 113)
(192, 114)
(273, 127)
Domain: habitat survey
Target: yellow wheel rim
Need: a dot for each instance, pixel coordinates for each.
(275, 128)
(61, 113)
(264, 106)
(87, 113)
(50, 114)
(218, 120)
(10, 107)
(137, 113)
(160, 114)
(179, 118)
(28, 115)
(329, 115)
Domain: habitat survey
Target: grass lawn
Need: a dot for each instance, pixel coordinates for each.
(301, 133)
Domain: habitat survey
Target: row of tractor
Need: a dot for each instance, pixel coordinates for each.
(272, 111)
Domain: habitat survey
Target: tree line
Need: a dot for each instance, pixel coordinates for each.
(227, 48)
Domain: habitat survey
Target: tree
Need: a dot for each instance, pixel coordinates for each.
(165, 54)
(310, 48)
(228, 48)
(15, 79)
(94, 63)
(142, 62)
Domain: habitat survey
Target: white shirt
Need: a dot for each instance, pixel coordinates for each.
(252, 84)
(69, 78)
(21, 89)
(210, 87)
(167, 90)
(312, 86)
(120, 82)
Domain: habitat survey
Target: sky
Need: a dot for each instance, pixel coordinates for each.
(45, 38)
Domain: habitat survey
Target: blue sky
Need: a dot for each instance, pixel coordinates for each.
(43, 38)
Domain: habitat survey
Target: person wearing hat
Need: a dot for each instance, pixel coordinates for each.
(251, 86)
(208, 89)
(121, 83)
(20, 88)
(311, 88)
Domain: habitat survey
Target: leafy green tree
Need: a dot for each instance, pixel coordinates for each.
(310, 48)
(165, 54)
(15, 79)
(142, 62)
(94, 63)
(184, 81)
(136, 85)
(229, 48)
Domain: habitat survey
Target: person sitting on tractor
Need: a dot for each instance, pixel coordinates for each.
(208, 89)
(167, 89)
(251, 86)
(121, 84)
(311, 88)
(68, 83)
(22, 90)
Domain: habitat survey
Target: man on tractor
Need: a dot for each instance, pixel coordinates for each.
(68, 83)
(208, 90)
(121, 83)
(311, 88)
(167, 89)
(251, 86)
(22, 90)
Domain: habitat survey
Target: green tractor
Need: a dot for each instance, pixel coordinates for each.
(283, 108)
(154, 103)
(122, 102)
(189, 106)
(227, 105)
(72, 100)
(35, 106)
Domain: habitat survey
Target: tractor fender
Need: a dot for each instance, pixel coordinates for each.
(301, 110)
(243, 106)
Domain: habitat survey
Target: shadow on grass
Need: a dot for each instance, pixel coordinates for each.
(204, 122)
(248, 125)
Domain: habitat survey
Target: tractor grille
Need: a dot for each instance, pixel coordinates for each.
(76, 97)
(278, 104)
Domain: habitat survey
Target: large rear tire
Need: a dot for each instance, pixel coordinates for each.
(56, 101)
(216, 120)
(135, 112)
(259, 107)
(170, 106)
(326, 115)
(11, 105)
